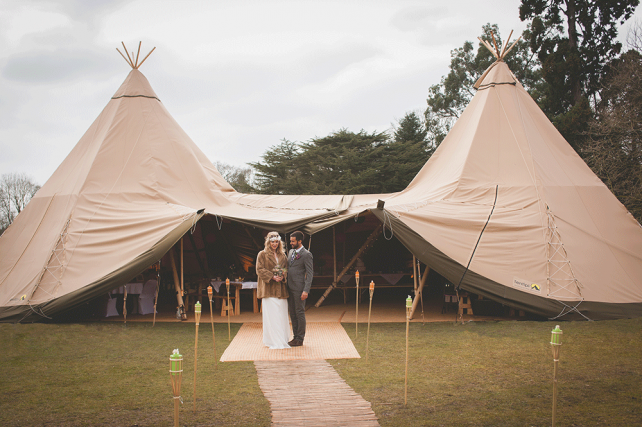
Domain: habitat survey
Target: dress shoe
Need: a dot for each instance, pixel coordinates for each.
(290, 343)
(295, 343)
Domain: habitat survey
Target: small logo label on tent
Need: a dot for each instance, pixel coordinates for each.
(24, 297)
(527, 285)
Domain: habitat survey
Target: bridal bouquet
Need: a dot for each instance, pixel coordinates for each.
(279, 271)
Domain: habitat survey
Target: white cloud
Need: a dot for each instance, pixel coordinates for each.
(237, 75)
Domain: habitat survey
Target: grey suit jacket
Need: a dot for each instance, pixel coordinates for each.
(300, 271)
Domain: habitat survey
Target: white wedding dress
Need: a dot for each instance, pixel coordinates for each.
(276, 325)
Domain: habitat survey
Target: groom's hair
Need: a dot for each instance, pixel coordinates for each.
(298, 235)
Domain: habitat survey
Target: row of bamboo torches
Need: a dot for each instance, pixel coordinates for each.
(176, 359)
(556, 341)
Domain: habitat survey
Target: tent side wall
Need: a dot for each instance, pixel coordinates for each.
(105, 284)
(473, 282)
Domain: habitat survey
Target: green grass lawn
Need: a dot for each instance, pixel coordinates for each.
(480, 374)
(500, 373)
(107, 374)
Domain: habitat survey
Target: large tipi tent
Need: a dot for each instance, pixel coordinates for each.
(506, 196)
(131, 187)
(504, 206)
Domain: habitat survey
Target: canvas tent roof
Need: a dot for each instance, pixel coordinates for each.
(130, 188)
(556, 240)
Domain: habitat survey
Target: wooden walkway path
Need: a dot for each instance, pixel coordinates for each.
(311, 393)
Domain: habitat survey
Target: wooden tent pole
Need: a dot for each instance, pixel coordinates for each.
(130, 60)
(141, 62)
(334, 253)
(361, 250)
(421, 294)
(495, 43)
(414, 273)
(121, 54)
(419, 291)
(182, 287)
(177, 285)
(506, 44)
(138, 53)
(258, 246)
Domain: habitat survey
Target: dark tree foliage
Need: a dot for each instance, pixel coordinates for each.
(343, 163)
(448, 99)
(614, 146)
(406, 154)
(574, 40)
(278, 172)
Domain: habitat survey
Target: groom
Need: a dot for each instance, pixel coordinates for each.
(299, 282)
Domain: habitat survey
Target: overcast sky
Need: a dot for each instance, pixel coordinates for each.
(238, 76)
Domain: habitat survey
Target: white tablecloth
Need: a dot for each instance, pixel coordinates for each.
(216, 284)
(132, 288)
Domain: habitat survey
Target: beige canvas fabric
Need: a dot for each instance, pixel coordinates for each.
(554, 224)
(556, 240)
(130, 188)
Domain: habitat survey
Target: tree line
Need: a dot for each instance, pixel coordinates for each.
(568, 59)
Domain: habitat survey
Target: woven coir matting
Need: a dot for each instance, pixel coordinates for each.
(323, 340)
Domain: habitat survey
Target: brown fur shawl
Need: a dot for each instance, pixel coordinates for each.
(268, 288)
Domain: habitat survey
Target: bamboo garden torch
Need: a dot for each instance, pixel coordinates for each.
(556, 342)
(356, 315)
(408, 310)
(197, 314)
(369, 311)
(210, 294)
(176, 375)
(229, 334)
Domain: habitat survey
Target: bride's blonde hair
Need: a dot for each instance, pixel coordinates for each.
(273, 235)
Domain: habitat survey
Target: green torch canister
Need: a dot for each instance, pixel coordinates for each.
(176, 375)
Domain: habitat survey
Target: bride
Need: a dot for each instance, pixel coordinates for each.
(271, 269)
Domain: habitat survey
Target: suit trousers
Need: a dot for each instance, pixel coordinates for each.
(296, 308)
